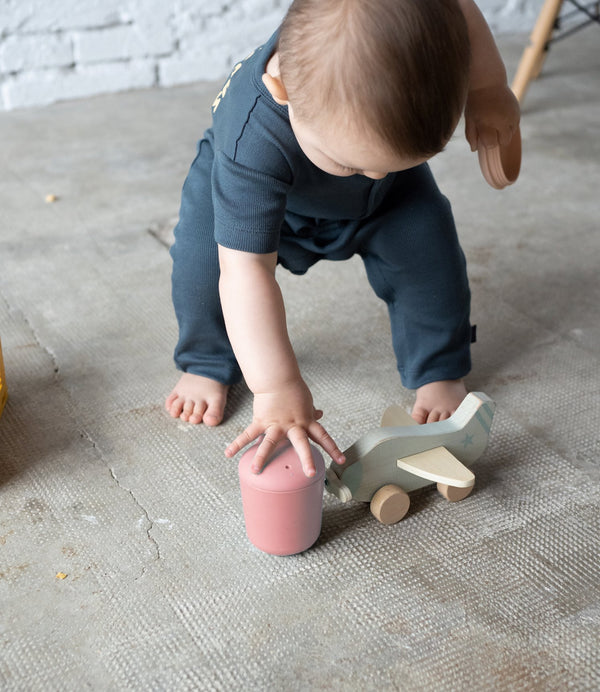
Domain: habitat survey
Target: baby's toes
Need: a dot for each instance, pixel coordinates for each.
(434, 416)
(170, 400)
(174, 405)
(420, 415)
(214, 412)
(198, 412)
(188, 409)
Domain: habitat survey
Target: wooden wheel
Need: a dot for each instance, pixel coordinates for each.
(452, 493)
(390, 504)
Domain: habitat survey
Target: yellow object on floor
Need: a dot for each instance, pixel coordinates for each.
(3, 390)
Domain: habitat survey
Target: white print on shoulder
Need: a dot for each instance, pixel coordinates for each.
(221, 94)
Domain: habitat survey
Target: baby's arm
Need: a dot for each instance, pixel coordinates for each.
(255, 318)
(492, 110)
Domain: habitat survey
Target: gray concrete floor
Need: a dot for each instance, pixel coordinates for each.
(142, 513)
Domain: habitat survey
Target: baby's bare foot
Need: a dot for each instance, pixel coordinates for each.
(198, 399)
(438, 400)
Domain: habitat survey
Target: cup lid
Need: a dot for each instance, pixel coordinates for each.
(283, 473)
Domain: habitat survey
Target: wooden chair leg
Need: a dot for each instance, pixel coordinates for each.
(534, 55)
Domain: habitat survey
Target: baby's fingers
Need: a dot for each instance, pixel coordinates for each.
(505, 135)
(299, 439)
(471, 133)
(265, 449)
(249, 435)
(488, 137)
(318, 434)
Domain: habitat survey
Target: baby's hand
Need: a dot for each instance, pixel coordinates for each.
(288, 412)
(492, 116)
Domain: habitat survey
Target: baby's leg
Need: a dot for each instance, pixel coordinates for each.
(414, 262)
(197, 399)
(438, 400)
(203, 352)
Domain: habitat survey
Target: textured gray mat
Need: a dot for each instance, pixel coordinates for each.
(143, 514)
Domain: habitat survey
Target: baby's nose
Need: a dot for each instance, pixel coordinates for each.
(374, 175)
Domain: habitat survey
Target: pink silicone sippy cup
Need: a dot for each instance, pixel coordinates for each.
(282, 506)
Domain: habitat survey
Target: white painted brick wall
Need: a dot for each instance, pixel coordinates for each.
(51, 50)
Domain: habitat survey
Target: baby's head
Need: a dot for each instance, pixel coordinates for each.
(394, 69)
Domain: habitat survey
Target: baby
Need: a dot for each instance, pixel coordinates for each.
(318, 150)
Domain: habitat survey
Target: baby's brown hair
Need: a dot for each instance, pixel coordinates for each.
(397, 67)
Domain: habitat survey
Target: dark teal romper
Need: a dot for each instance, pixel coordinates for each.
(251, 188)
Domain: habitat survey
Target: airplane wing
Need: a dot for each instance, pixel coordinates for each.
(439, 466)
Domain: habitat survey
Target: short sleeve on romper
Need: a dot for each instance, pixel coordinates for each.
(249, 206)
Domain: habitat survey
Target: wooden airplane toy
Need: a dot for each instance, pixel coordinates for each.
(385, 464)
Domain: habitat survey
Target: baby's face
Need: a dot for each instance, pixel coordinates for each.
(343, 152)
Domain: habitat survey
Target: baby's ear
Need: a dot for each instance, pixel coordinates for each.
(276, 88)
